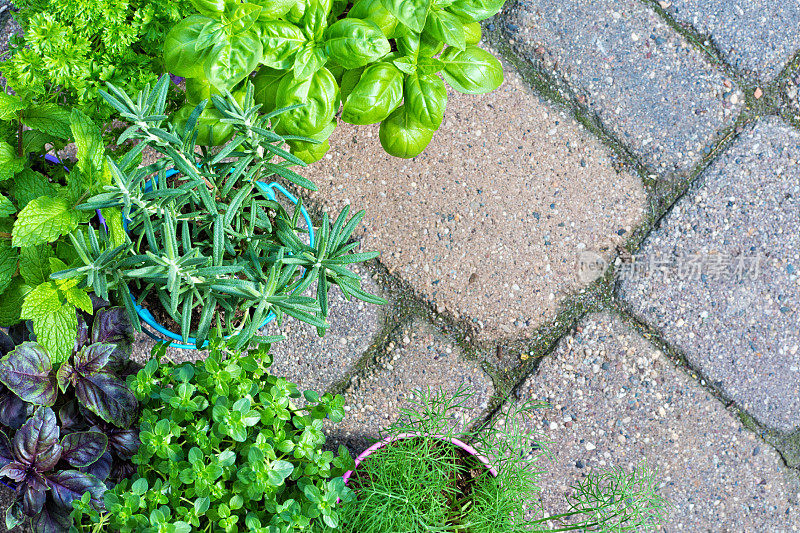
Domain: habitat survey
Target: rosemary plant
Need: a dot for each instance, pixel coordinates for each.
(421, 484)
(208, 242)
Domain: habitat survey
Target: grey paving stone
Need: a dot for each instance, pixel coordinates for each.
(488, 222)
(739, 328)
(649, 86)
(316, 363)
(754, 35)
(420, 358)
(617, 401)
(310, 361)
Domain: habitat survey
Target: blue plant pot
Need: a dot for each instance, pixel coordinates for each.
(158, 332)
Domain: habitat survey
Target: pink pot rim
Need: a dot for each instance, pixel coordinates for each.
(456, 442)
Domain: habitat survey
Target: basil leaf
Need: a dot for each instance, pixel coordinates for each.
(28, 372)
(281, 41)
(83, 448)
(375, 96)
(211, 8)
(274, 9)
(446, 27)
(353, 43)
(181, 57)
(318, 96)
(265, 87)
(308, 60)
(425, 99)
(476, 10)
(234, 61)
(243, 16)
(402, 136)
(412, 13)
(315, 19)
(472, 71)
(472, 32)
(374, 11)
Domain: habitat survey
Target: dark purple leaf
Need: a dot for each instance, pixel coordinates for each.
(52, 519)
(65, 375)
(93, 358)
(70, 418)
(15, 471)
(108, 397)
(36, 443)
(6, 455)
(22, 332)
(124, 442)
(100, 468)
(14, 514)
(13, 411)
(27, 371)
(6, 343)
(111, 325)
(123, 470)
(34, 494)
(83, 448)
(82, 339)
(68, 485)
(97, 302)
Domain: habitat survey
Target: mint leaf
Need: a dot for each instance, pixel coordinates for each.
(10, 164)
(55, 322)
(34, 264)
(6, 207)
(35, 140)
(8, 264)
(90, 152)
(30, 184)
(11, 302)
(9, 105)
(42, 300)
(50, 118)
(44, 220)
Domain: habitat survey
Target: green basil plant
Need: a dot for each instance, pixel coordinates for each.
(380, 59)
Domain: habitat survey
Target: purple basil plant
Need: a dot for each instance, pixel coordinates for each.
(66, 430)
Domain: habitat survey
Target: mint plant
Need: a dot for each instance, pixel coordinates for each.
(38, 200)
(65, 430)
(424, 484)
(380, 58)
(209, 244)
(225, 447)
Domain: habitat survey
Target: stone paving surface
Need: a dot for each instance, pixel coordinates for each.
(740, 330)
(617, 401)
(753, 35)
(487, 223)
(418, 358)
(655, 92)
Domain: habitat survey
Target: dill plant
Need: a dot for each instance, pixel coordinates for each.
(423, 485)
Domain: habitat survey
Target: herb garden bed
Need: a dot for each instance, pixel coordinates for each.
(91, 442)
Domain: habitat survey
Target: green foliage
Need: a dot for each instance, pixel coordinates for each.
(409, 485)
(377, 57)
(71, 49)
(38, 201)
(225, 448)
(209, 243)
